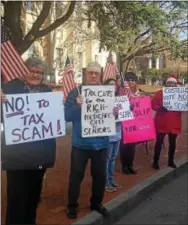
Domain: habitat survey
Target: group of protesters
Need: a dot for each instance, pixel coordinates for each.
(31, 159)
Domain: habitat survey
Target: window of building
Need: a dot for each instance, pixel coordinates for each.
(59, 53)
(28, 5)
(96, 58)
(31, 50)
(153, 63)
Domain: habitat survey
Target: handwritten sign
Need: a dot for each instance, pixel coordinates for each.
(33, 117)
(141, 128)
(122, 102)
(175, 98)
(97, 111)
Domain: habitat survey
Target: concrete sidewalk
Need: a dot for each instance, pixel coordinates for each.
(127, 201)
(167, 206)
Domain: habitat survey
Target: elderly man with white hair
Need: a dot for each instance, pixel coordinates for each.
(83, 149)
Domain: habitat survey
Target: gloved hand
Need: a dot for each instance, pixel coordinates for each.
(115, 111)
(163, 109)
(3, 97)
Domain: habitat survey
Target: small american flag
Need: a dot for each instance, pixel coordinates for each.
(124, 89)
(12, 65)
(68, 82)
(110, 69)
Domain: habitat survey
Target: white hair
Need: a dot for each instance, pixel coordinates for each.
(34, 61)
(93, 64)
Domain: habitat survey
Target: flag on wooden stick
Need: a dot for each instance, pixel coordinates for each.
(110, 69)
(12, 65)
(68, 82)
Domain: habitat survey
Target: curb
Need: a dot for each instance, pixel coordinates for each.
(124, 202)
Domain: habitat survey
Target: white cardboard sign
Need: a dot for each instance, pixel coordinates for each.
(33, 117)
(97, 111)
(175, 98)
(122, 102)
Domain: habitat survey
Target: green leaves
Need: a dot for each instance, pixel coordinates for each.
(137, 28)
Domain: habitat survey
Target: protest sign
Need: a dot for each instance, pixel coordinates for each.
(97, 111)
(122, 102)
(33, 117)
(175, 98)
(141, 128)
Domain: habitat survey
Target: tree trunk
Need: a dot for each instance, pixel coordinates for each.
(12, 20)
(126, 65)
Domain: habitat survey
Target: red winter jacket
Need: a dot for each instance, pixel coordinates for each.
(165, 122)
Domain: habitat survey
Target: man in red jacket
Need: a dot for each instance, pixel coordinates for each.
(166, 122)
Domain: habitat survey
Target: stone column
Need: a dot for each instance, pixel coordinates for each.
(150, 63)
(157, 63)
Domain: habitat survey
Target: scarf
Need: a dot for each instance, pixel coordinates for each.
(34, 88)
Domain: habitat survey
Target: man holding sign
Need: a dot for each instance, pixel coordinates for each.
(89, 143)
(166, 122)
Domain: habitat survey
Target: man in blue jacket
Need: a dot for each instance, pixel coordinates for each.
(83, 149)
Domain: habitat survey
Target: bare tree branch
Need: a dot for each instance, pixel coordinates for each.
(141, 35)
(40, 20)
(59, 21)
(12, 20)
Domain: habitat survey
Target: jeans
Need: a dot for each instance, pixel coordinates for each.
(112, 153)
(79, 160)
(23, 195)
(158, 146)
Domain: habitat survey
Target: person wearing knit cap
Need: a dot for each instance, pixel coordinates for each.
(176, 77)
(127, 151)
(166, 122)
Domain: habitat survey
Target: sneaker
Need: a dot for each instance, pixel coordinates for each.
(72, 213)
(132, 170)
(110, 188)
(155, 165)
(114, 184)
(172, 164)
(100, 209)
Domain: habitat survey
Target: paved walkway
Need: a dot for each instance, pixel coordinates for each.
(167, 206)
(52, 209)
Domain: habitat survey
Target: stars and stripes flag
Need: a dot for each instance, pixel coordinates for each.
(110, 69)
(12, 65)
(68, 82)
(124, 89)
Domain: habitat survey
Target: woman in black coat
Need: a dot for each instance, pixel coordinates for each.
(26, 163)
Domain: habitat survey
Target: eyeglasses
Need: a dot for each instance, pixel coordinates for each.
(130, 80)
(36, 72)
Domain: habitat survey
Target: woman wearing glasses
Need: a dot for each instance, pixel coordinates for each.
(127, 151)
(26, 163)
